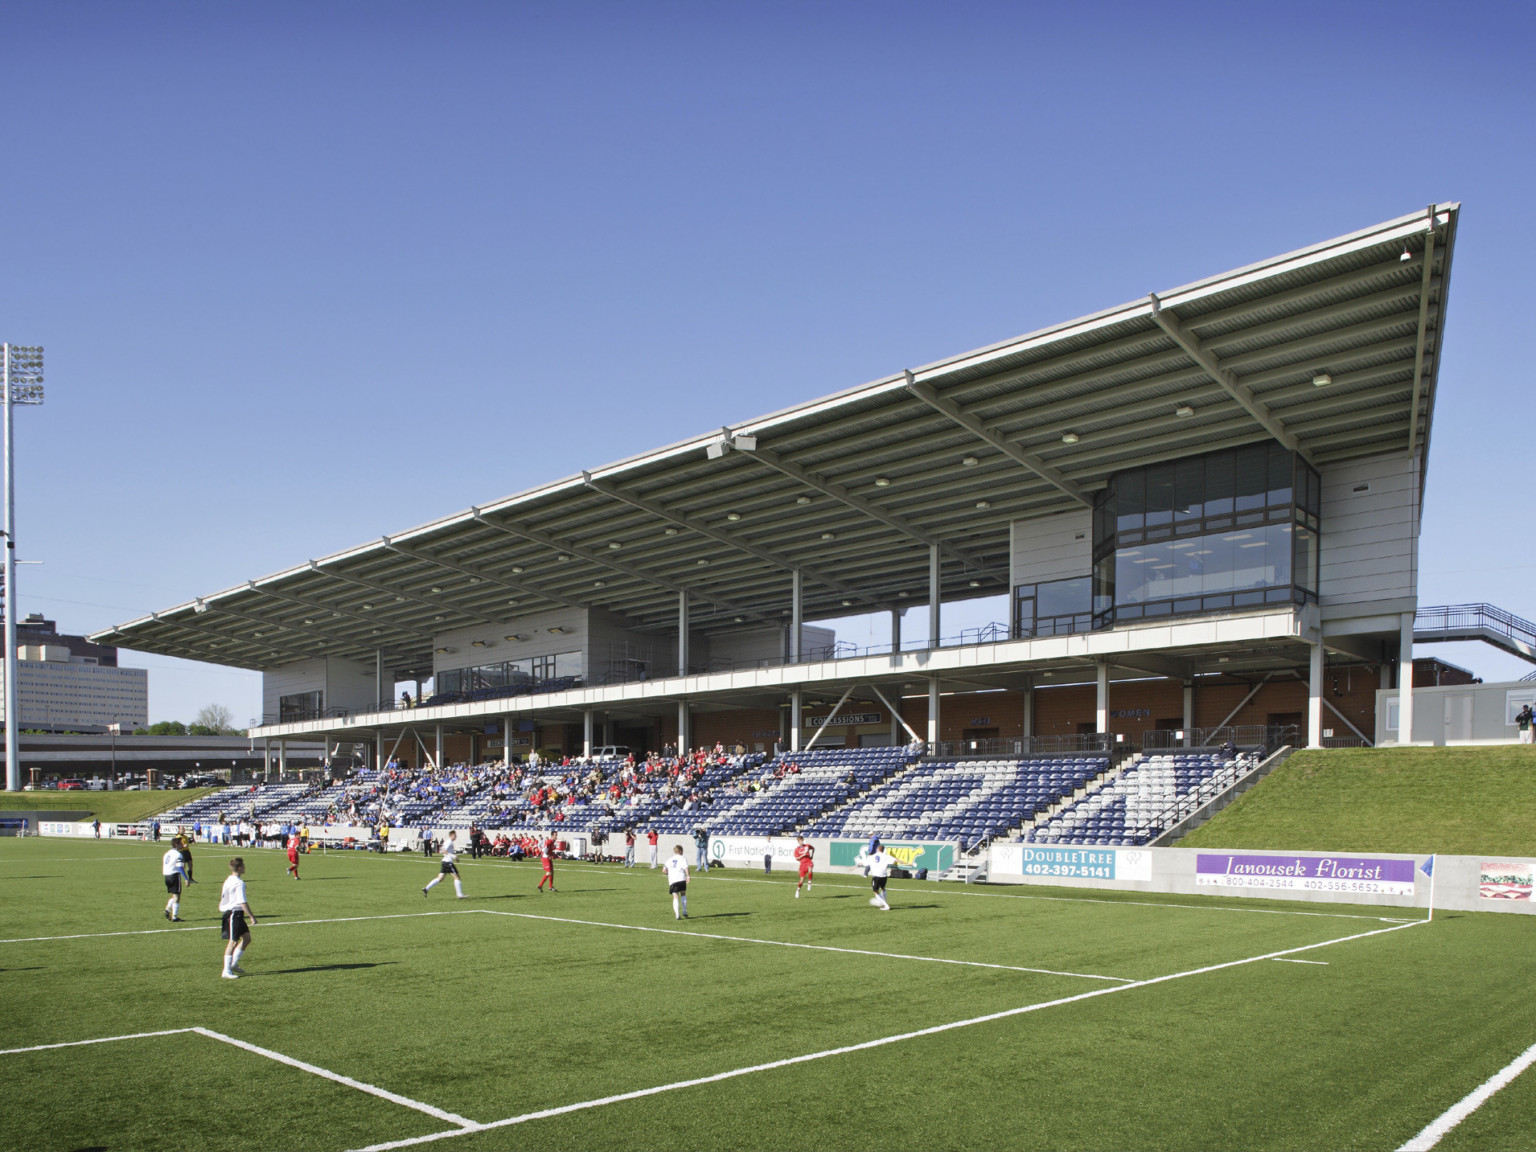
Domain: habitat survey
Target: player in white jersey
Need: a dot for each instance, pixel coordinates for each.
(880, 863)
(174, 868)
(450, 866)
(237, 919)
(677, 882)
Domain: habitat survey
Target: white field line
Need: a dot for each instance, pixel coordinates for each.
(1470, 1103)
(957, 890)
(1293, 960)
(565, 1109)
(810, 947)
(98, 1040)
(267, 924)
(316, 1070)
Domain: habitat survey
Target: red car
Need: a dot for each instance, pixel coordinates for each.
(71, 785)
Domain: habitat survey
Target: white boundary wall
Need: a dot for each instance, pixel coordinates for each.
(1490, 883)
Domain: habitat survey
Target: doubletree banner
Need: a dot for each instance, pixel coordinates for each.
(1073, 863)
(934, 856)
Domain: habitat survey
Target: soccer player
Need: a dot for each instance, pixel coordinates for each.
(805, 854)
(677, 882)
(237, 919)
(184, 846)
(450, 866)
(880, 863)
(547, 858)
(174, 869)
(293, 855)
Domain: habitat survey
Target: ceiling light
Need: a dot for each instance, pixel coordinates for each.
(740, 619)
(562, 557)
(375, 632)
(512, 602)
(614, 545)
(477, 643)
(983, 503)
(829, 536)
(847, 603)
(671, 532)
(474, 579)
(1320, 379)
(969, 461)
(1183, 411)
(435, 588)
(441, 651)
(1407, 255)
(903, 595)
(399, 599)
(882, 482)
(515, 636)
(599, 583)
(558, 629)
(733, 516)
(701, 563)
(367, 605)
(517, 568)
(802, 499)
(975, 583)
(309, 621)
(1069, 437)
(438, 619)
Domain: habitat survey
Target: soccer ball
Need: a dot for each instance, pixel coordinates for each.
(875, 902)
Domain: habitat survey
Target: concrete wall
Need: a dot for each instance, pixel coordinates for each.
(496, 648)
(1052, 547)
(300, 676)
(1458, 714)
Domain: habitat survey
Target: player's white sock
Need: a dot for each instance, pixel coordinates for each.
(677, 909)
(432, 883)
(458, 888)
(228, 963)
(234, 960)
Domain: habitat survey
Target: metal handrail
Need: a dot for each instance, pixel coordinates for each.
(1464, 617)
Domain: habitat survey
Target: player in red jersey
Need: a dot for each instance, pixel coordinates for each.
(804, 854)
(293, 855)
(547, 858)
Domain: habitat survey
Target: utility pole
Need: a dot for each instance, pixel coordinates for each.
(22, 384)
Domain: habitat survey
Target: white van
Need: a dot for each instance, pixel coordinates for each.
(610, 752)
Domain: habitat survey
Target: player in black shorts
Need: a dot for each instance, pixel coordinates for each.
(450, 867)
(237, 919)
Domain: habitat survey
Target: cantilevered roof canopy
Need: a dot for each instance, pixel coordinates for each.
(1332, 350)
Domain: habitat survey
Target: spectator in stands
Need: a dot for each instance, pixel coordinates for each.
(1523, 720)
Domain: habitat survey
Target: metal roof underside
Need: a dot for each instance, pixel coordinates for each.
(1240, 349)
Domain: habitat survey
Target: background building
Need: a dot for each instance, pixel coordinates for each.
(70, 684)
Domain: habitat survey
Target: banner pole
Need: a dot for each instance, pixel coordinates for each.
(1431, 915)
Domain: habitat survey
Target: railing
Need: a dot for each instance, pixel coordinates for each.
(1244, 737)
(1469, 620)
(1274, 738)
(1023, 747)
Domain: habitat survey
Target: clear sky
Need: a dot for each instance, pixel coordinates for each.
(309, 273)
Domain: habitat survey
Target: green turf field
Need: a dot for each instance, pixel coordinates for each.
(1459, 801)
(108, 807)
(981, 1017)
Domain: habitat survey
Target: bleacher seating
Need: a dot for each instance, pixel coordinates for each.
(1149, 797)
(968, 801)
(826, 778)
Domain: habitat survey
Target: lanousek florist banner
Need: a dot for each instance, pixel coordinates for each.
(910, 853)
(1072, 863)
(1306, 873)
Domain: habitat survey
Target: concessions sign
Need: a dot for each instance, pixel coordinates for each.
(1507, 880)
(1362, 874)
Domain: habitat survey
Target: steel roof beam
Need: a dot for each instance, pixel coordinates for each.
(522, 588)
(602, 561)
(305, 630)
(203, 627)
(403, 593)
(322, 606)
(1423, 334)
(831, 488)
(1039, 467)
(683, 520)
(1228, 379)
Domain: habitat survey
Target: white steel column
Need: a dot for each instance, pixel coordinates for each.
(682, 632)
(682, 727)
(934, 565)
(586, 734)
(895, 631)
(1315, 697)
(378, 750)
(379, 695)
(282, 759)
(266, 759)
(1101, 710)
(506, 741)
(794, 720)
(796, 619)
(438, 757)
(1029, 706)
(933, 713)
(1189, 712)
(1405, 680)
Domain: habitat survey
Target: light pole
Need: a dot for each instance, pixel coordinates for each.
(22, 384)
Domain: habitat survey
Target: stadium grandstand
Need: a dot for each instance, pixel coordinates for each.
(1201, 510)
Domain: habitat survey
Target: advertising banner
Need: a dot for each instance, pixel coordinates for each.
(751, 849)
(935, 857)
(1505, 881)
(1306, 873)
(1072, 863)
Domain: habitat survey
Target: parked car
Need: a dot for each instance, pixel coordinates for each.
(96, 784)
(71, 785)
(610, 752)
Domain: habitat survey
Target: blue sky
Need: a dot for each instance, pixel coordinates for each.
(309, 273)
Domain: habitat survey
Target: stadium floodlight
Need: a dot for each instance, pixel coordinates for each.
(23, 384)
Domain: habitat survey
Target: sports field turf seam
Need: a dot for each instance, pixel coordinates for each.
(565, 1109)
(1441, 1126)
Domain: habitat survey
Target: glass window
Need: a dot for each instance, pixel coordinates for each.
(1282, 463)
(568, 664)
(1063, 597)
(1218, 484)
(1251, 470)
(1188, 489)
(1306, 559)
(1132, 500)
(1159, 495)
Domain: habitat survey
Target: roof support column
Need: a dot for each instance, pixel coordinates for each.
(378, 749)
(1189, 713)
(266, 760)
(796, 615)
(934, 566)
(933, 715)
(282, 760)
(506, 740)
(437, 760)
(1101, 708)
(1315, 697)
(1405, 680)
(682, 634)
(682, 728)
(379, 695)
(794, 720)
(895, 631)
(586, 734)
(1029, 707)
